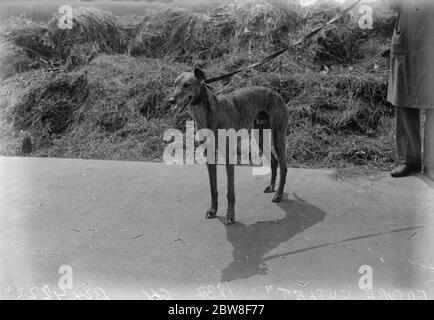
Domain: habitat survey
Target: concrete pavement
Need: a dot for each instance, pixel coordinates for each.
(137, 230)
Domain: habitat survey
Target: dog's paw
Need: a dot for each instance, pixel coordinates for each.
(278, 197)
(269, 189)
(211, 213)
(229, 220)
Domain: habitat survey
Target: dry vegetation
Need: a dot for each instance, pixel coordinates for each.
(99, 90)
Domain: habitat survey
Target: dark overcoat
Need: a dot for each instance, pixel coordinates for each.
(411, 82)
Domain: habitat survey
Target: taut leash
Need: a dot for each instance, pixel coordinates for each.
(278, 53)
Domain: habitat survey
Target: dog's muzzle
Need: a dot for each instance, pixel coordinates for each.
(172, 101)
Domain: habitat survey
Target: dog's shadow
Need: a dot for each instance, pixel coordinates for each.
(252, 243)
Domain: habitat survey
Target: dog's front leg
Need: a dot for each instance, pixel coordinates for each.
(212, 172)
(230, 215)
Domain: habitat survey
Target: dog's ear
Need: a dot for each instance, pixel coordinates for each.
(199, 74)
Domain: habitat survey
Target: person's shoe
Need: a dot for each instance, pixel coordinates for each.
(405, 170)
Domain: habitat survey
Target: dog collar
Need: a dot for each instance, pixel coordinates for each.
(203, 95)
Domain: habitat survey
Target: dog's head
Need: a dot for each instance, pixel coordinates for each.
(188, 88)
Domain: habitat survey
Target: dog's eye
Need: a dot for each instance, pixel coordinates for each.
(187, 85)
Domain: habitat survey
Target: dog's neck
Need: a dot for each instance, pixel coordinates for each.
(202, 97)
(200, 107)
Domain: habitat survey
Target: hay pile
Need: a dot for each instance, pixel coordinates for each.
(49, 109)
(93, 111)
(22, 46)
(171, 31)
(90, 25)
(51, 46)
(99, 90)
(208, 35)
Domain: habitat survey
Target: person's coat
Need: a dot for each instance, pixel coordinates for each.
(411, 82)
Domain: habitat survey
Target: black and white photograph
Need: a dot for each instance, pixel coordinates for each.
(216, 153)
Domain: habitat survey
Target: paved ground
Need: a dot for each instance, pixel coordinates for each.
(137, 230)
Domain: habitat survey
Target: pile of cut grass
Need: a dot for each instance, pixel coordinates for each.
(89, 25)
(166, 31)
(211, 34)
(94, 111)
(48, 45)
(241, 26)
(22, 46)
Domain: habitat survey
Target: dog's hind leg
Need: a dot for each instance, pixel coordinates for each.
(212, 172)
(280, 147)
(263, 122)
(274, 162)
(230, 172)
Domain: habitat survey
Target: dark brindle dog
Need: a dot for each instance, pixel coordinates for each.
(237, 110)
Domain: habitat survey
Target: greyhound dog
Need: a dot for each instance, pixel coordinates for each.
(240, 109)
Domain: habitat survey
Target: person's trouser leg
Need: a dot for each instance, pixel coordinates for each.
(428, 153)
(408, 138)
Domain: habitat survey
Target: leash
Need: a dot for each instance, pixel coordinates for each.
(278, 53)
